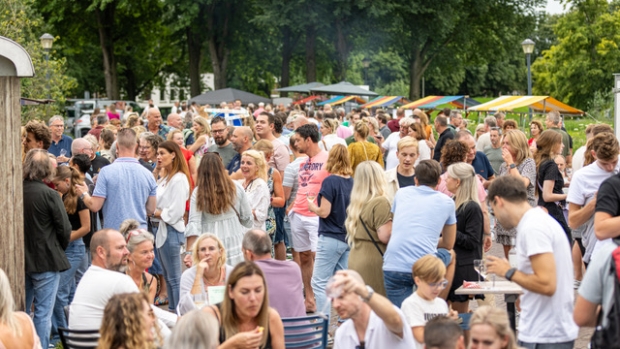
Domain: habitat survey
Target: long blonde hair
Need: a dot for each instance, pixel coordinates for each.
(259, 159)
(206, 129)
(518, 142)
(468, 189)
(496, 318)
(7, 305)
(368, 183)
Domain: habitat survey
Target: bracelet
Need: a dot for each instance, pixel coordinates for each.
(83, 195)
(186, 253)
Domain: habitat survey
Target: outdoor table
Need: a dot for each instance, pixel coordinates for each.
(510, 290)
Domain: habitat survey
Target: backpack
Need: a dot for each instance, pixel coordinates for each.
(609, 336)
(186, 133)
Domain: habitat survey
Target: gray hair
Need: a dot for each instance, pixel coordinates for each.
(406, 121)
(257, 241)
(554, 117)
(195, 329)
(37, 165)
(94, 142)
(261, 104)
(54, 118)
(102, 119)
(133, 234)
(490, 121)
(454, 113)
(499, 116)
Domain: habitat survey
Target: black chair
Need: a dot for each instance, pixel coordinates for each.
(78, 339)
(306, 332)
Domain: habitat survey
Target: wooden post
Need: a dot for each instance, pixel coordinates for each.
(15, 63)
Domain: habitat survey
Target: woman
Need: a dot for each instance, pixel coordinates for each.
(509, 125)
(106, 138)
(16, 327)
(245, 318)
(403, 175)
(479, 131)
(333, 199)
(111, 112)
(202, 132)
(369, 224)
(373, 126)
(209, 269)
(549, 181)
(489, 328)
(518, 162)
(65, 180)
(362, 150)
(536, 128)
(416, 130)
(461, 182)
(177, 137)
(220, 206)
(254, 170)
(328, 135)
(274, 183)
(133, 119)
(141, 246)
(424, 121)
(195, 329)
(129, 323)
(173, 188)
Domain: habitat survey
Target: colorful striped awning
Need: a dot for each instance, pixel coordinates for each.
(306, 100)
(342, 99)
(432, 102)
(384, 101)
(537, 103)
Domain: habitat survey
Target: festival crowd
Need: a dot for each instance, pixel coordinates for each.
(193, 233)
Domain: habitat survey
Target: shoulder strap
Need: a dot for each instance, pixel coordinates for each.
(371, 238)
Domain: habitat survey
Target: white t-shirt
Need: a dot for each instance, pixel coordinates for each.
(391, 146)
(578, 158)
(376, 336)
(418, 311)
(484, 141)
(424, 152)
(545, 319)
(331, 140)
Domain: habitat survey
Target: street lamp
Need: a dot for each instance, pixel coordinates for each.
(528, 48)
(46, 42)
(366, 64)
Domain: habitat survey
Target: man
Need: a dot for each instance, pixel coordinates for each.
(175, 120)
(305, 224)
(60, 141)
(494, 152)
(383, 129)
(443, 333)
(124, 189)
(290, 183)
(404, 173)
(38, 136)
(415, 235)
(477, 159)
(47, 232)
(354, 118)
(241, 141)
(97, 162)
(390, 146)
(553, 122)
(264, 130)
(371, 321)
(222, 145)
(544, 267)
(105, 278)
(456, 119)
(394, 124)
(261, 108)
(484, 141)
(147, 150)
(441, 126)
(155, 125)
(283, 277)
(102, 122)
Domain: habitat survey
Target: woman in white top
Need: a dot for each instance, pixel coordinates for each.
(254, 183)
(328, 135)
(209, 269)
(173, 188)
(416, 130)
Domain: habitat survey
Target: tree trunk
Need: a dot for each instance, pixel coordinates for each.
(130, 87)
(417, 68)
(219, 63)
(287, 55)
(342, 52)
(105, 24)
(218, 37)
(310, 54)
(194, 50)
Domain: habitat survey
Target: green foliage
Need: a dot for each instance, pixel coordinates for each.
(22, 24)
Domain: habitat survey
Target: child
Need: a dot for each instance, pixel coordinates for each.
(429, 274)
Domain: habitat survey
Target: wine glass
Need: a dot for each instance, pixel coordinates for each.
(331, 293)
(63, 152)
(480, 268)
(311, 195)
(199, 300)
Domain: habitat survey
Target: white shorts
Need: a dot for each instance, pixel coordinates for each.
(304, 231)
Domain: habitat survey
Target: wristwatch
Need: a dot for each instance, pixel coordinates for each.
(512, 166)
(83, 195)
(510, 273)
(370, 293)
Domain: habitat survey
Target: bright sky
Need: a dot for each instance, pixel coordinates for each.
(554, 6)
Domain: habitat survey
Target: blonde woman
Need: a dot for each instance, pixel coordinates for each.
(369, 224)
(16, 327)
(202, 136)
(462, 183)
(329, 138)
(490, 329)
(254, 183)
(362, 150)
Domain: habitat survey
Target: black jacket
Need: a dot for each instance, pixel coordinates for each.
(46, 229)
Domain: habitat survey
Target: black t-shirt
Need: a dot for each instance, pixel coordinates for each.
(404, 181)
(75, 217)
(97, 164)
(549, 171)
(608, 197)
(336, 190)
(444, 137)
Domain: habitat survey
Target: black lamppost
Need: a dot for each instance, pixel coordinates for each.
(366, 64)
(528, 48)
(46, 42)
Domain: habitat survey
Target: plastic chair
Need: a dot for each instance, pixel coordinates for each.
(78, 339)
(306, 332)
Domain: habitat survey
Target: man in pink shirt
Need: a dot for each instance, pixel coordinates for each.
(264, 130)
(305, 224)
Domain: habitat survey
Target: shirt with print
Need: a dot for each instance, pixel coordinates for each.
(312, 172)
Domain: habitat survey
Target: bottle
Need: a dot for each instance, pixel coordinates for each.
(512, 254)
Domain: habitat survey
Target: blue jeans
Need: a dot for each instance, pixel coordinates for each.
(563, 345)
(156, 268)
(280, 234)
(41, 288)
(398, 286)
(170, 258)
(76, 255)
(331, 255)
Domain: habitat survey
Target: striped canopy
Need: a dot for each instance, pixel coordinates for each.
(341, 99)
(306, 100)
(537, 103)
(384, 101)
(432, 102)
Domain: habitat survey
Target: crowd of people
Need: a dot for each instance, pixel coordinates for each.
(194, 233)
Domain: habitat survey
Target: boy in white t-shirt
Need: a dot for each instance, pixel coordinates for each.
(424, 304)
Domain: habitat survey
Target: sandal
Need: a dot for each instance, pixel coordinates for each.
(161, 300)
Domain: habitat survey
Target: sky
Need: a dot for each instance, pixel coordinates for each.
(554, 7)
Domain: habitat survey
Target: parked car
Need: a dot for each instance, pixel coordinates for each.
(85, 108)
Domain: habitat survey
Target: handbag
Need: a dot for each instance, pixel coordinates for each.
(371, 238)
